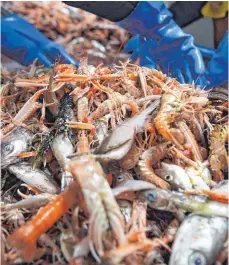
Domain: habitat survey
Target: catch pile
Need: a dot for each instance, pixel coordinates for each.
(75, 29)
(118, 165)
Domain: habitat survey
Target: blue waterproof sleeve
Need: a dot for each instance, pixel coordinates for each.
(22, 42)
(163, 42)
(217, 70)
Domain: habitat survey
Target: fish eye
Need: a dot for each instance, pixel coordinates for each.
(152, 196)
(197, 258)
(120, 178)
(8, 148)
(168, 177)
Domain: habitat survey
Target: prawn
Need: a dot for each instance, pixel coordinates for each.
(137, 224)
(130, 160)
(170, 104)
(115, 101)
(218, 155)
(29, 108)
(24, 239)
(147, 174)
(82, 108)
(102, 207)
(190, 139)
(148, 159)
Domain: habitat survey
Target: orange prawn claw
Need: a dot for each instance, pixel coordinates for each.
(24, 239)
(26, 154)
(134, 107)
(216, 196)
(80, 125)
(32, 188)
(220, 197)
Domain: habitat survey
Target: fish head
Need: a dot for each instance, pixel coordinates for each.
(6, 149)
(175, 176)
(17, 142)
(199, 240)
(121, 178)
(155, 198)
(188, 257)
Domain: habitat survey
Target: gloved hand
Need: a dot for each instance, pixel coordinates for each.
(22, 42)
(163, 42)
(217, 70)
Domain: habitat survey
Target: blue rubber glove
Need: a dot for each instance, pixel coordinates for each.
(217, 70)
(22, 42)
(164, 42)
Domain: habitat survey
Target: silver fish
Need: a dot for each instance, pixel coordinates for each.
(62, 148)
(222, 187)
(196, 179)
(175, 176)
(116, 145)
(172, 200)
(199, 240)
(120, 178)
(126, 209)
(18, 141)
(34, 177)
(132, 185)
(30, 202)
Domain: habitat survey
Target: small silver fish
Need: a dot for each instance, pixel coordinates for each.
(30, 202)
(116, 145)
(196, 180)
(121, 178)
(222, 187)
(199, 240)
(175, 176)
(18, 141)
(62, 148)
(172, 200)
(126, 209)
(34, 177)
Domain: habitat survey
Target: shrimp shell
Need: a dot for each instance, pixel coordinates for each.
(82, 108)
(156, 153)
(115, 101)
(130, 160)
(190, 139)
(218, 155)
(147, 174)
(102, 206)
(166, 115)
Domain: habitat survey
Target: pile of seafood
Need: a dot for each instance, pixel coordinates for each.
(75, 29)
(118, 165)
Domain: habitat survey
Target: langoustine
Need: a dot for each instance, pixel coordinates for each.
(30, 107)
(102, 207)
(218, 154)
(128, 138)
(24, 239)
(170, 102)
(148, 159)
